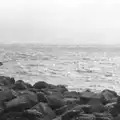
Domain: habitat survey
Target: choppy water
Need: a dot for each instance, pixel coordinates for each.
(77, 67)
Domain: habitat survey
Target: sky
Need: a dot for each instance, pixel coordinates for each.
(60, 21)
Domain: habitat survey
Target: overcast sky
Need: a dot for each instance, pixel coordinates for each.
(60, 21)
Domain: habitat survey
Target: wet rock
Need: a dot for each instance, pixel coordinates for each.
(85, 108)
(19, 85)
(71, 114)
(55, 102)
(86, 96)
(96, 105)
(22, 102)
(103, 116)
(32, 114)
(7, 94)
(13, 116)
(85, 117)
(54, 92)
(41, 97)
(1, 63)
(72, 94)
(61, 88)
(64, 109)
(40, 85)
(6, 81)
(71, 101)
(112, 108)
(108, 96)
(46, 111)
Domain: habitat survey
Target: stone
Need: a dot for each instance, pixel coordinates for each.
(22, 102)
(6, 81)
(41, 97)
(40, 85)
(46, 111)
(55, 102)
(108, 96)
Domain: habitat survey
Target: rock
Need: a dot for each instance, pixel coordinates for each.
(1, 63)
(85, 108)
(7, 94)
(41, 97)
(61, 88)
(112, 108)
(86, 117)
(19, 85)
(22, 102)
(108, 96)
(54, 92)
(32, 113)
(70, 114)
(96, 105)
(6, 81)
(71, 101)
(72, 94)
(86, 96)
(117, 118)
(55, 102)
(13, 116)
(64, 109)
(40, 85)
(46, 111)
(103, 116)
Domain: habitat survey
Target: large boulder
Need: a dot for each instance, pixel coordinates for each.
(21, 85)
(45, 110)
(7, 94)
(24, 101)
(55, 102)
(108, 96)
(40, 85)
(6, 81)
(86, 96)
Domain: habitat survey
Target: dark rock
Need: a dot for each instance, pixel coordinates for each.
(46, 111)
(13, 116)
(64, 109)
(41, 97)
(1, 63)
(70, 114)
(108, 96)
(112, 108)
(7, 94)
(71, 101)
(85, 108)
(61, 88)
(86, 96)
(72, 94)
(103, 116)
(19, 85)
(22, 102)
(96, 105)
(6, 81)
(40, 85)
(32, 113)
(55, 102)
(86, 117)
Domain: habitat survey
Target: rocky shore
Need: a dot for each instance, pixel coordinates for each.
(42, 101)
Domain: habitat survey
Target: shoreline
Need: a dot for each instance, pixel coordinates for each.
(42, 101)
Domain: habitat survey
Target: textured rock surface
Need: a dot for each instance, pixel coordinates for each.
(43, 101)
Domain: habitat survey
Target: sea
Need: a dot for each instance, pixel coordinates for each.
(78, 67)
